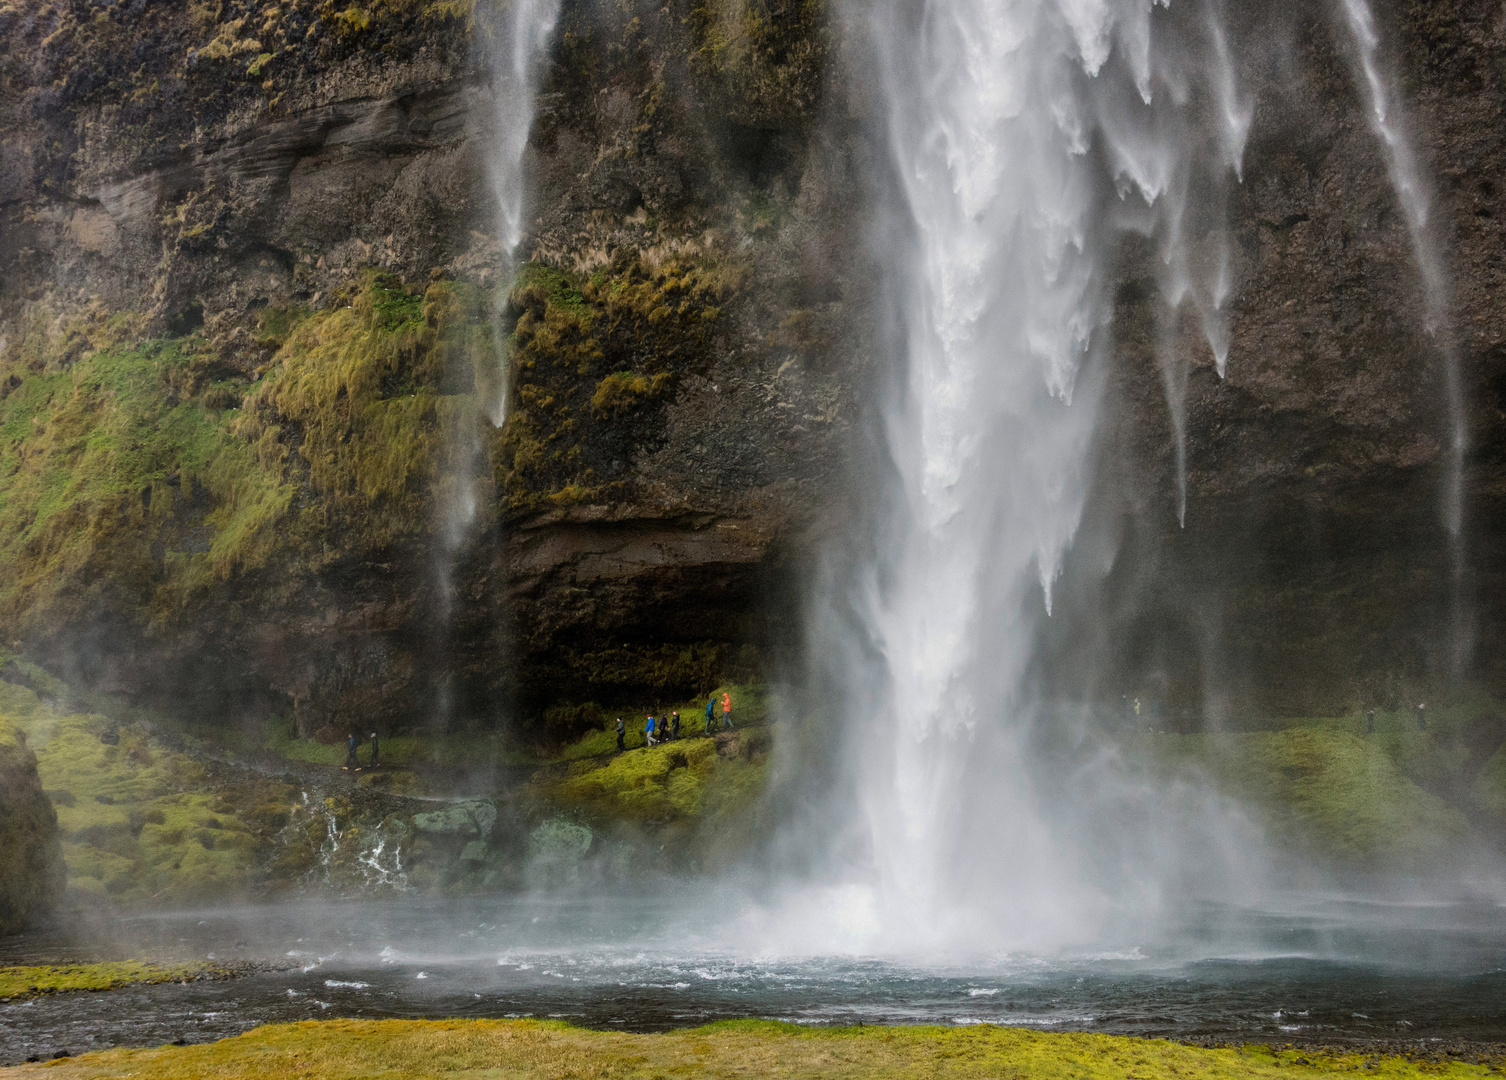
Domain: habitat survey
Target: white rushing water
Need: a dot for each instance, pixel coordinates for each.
(1027, 138)
(514, 35)
(1386, 119)
(518, 42)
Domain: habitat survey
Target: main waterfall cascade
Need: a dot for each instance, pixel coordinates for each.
(1028, 139)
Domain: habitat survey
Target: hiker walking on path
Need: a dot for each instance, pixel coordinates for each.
(1422, 717)
(726, 711)
(1370, 722)
(711, 716)
(648, 731)
(674, 725)
(621, 732)
(351, 761)
(376, 752)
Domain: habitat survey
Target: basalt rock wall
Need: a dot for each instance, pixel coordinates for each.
(1315, 570)
(255, 246)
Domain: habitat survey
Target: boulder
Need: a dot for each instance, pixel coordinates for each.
(31, 855)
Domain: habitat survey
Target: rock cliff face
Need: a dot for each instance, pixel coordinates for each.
(1315, 571)
(254, 305)
(31, 856)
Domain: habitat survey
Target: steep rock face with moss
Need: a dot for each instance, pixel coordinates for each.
(31, 858)
(251, 355)
(255, 455)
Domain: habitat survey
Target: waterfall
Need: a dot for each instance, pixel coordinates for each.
(514, 35)
(1412, 194)
(1026, 136)
(518, 41)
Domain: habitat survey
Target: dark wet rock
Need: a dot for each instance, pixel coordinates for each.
(208, 194)
(31, 855)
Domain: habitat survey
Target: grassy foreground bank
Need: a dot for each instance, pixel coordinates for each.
(398, 1049)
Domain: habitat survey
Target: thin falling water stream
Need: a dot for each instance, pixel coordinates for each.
(1412, 193)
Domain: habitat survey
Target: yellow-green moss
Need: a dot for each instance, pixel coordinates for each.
(691, 778)
(768, 67)
(138, 821)
(591, 360)
(1332, 791)
(135, 474)
(399, 1049)
(18, 982)
(114, 451)
(357, 405)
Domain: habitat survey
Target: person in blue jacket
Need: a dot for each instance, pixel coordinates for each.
(351, 761)
(648, 731)
(711, 715)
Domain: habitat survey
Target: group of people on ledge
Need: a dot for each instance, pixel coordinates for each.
(352, 761)
(667, 726)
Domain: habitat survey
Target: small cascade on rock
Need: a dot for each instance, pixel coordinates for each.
(1388, 123)
(1028, 139)
(348, 859)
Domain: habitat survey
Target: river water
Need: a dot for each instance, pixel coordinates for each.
(1323, 969)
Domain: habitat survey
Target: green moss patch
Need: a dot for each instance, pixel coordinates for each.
(530, 1048)
(121, 473)
(18, 982)
(140, 821)
(593, 360)
(1334, 792)
(692, 779)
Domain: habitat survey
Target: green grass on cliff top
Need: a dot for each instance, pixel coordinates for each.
(400, 1049)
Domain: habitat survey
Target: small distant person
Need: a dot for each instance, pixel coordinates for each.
(621, 735)
(674, 725)
(1137, 708)
(376, 751)
(726, 711)
(351, 761)
(711, 716)
(1422, 717)
(648, 731)
(1370, 722)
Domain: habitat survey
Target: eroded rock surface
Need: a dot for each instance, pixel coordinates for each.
(691, 350)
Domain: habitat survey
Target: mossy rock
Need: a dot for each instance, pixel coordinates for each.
(31, 857)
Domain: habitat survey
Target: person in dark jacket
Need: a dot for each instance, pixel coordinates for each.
(376, 751)
(711, 716)
(674, 725)
(621, 733)
(351, 761)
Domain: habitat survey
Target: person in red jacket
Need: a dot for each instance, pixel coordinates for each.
(726, 711)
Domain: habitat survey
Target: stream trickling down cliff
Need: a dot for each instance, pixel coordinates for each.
(1407, 180)
(515, 40)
